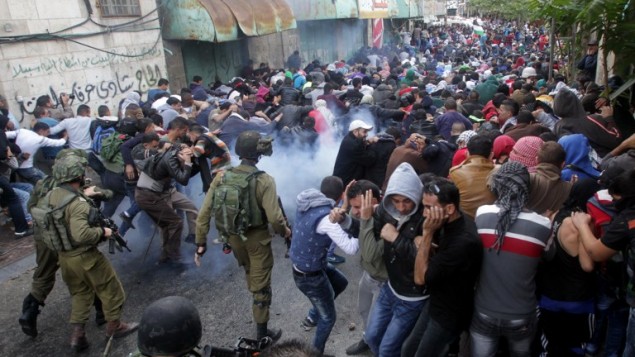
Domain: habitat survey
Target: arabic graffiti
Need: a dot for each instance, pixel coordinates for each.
(66, 63)
(142, 80)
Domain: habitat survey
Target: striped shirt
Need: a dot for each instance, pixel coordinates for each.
(506, 288)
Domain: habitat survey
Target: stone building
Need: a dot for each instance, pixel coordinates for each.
(96, 50)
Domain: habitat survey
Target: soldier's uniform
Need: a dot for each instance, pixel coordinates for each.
(45, 258)
(85, 269)
(254, 254)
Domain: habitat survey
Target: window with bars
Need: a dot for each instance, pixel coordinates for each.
(119, 8)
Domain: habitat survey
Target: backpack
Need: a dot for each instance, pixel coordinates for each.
(48, 222)
(234, 204)
(110, 147)
(101, 133)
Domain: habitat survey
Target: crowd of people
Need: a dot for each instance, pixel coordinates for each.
(481, 196)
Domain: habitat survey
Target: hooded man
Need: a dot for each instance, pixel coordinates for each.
(314, 233)
(577, 161)
(400, 300)
(599, 129)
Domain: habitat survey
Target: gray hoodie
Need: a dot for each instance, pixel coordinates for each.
(405, 182)
(311, 198)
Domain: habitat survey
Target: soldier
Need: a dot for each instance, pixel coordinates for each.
(46, 258)
(252, 249)
(84, 268)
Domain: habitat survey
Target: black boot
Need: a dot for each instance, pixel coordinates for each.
(30, 310)
(100, 319)
(262, 331)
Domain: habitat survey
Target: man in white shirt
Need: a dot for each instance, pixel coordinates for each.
(78, 129)
(30, 142)
(313, 234)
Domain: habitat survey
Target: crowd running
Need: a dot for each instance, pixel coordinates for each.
(482, 199)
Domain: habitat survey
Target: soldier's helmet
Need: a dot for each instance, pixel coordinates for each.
(69, 167)
(169, 326)
(79, 154)
(251, 145)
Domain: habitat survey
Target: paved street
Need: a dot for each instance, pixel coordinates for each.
(218, 289)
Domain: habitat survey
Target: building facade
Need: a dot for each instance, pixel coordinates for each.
(95, 50)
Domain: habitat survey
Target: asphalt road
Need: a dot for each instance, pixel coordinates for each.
(218, 289)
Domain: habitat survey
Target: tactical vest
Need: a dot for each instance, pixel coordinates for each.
(49, 223)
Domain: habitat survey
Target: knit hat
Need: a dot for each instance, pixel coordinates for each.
(510, 184)
(503, 145)
(525, 151)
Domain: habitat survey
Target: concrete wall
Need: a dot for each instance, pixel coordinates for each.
(31, 69)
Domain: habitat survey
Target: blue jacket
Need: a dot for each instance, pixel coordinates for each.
(308, 248)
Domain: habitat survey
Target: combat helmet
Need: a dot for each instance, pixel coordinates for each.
(169, 326)
(251, 145)
(69, 167)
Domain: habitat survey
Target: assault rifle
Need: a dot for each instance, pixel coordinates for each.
(244, 347)
(115, 240)
(287, 241)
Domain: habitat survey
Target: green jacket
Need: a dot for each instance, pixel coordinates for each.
(372, 251)
(266, 196)
(84, 235)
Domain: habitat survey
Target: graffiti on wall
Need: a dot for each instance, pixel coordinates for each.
(71, 62)
(104, 91)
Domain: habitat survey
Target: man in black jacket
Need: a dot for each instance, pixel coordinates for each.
(449, 275)
(157, 195)
(354, 154)
(401, 299)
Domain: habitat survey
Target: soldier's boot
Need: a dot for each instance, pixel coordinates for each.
(78, 338)
(28, 319)
(262, 331)
(100, 318)
(118, 329)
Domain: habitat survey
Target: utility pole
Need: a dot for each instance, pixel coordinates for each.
(552, 44)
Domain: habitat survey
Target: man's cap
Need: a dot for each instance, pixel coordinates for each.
(592, 43)
(359, 124)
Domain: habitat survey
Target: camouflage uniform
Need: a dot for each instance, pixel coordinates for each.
(255, 254)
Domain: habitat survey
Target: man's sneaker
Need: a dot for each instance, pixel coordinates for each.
(358, 348)
(307, 324)
(335, 259)
(216, 241)
(124, 216)
(19, 235)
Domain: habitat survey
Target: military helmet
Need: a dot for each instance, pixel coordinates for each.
(69, 168)
(251, 145)
(169, 326)
(79, 154)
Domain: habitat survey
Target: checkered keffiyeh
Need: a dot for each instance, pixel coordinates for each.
(510, 184)
(526, 150)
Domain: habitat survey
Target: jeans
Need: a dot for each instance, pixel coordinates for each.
(114, 182)
(322, 289)
(611, 318)
(10, 199)
(23, 190)
(368, 290)
(390, 322)
(31, 174)
(133, 210)
(485, 332)
(428, 338)
(629, 350)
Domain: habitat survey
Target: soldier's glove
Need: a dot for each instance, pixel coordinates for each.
(200, 252)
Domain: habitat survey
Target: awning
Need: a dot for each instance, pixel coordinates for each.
(219, 20)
